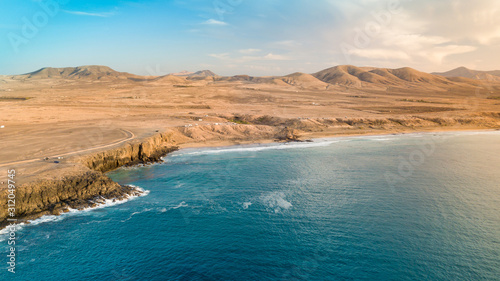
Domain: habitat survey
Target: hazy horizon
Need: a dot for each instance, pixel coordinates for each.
(248, 37)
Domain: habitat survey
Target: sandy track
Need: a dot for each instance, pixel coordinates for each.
(129, 136)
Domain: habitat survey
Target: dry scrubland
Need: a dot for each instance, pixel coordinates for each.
(65, 127)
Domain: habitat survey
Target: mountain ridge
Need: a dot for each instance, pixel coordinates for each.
(340, 75)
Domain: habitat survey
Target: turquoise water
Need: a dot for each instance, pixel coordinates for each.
(405, 207)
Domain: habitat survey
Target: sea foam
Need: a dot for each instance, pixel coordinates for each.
(251, 148)
(101, 203)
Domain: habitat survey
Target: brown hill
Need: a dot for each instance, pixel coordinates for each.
(471, 74)
(341, 75)
(245, 78)
(412, 75)
(349, 75)
(202, 75)
(171, 79)
(184, 73)
(90, 72)
(303, 80)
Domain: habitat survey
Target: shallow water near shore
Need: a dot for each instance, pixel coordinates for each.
(395, 207)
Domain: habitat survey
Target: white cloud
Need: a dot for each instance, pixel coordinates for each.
(286, 44)
(249, 51)
(268, 57)
(380, 54)
(424, 34)
(222, 56)
(438, 53)
(80, 13)
(271, 56)
(214, 22)
(243, 59)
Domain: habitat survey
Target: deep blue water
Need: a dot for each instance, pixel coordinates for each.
(406, 207)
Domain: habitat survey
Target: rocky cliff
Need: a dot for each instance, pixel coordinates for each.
(86, 187)
(52, 197)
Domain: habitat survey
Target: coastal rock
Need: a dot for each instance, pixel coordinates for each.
(147, 151)
(52, 197)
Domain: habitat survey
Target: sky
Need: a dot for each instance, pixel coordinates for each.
(255, 37)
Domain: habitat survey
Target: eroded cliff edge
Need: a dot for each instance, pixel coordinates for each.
(86, 186)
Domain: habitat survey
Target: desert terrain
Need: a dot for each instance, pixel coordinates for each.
(58, 124)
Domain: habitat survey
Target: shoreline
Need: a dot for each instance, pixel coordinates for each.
(316, 136)
(115, 191)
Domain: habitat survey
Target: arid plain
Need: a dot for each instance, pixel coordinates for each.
(59, 123)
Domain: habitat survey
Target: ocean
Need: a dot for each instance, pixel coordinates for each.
(394, 207)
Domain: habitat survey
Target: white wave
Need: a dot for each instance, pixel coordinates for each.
(179, 185)
(101, 203)
(48, 218)
(246, 205)
(4, 233)
(382, 139)
(182, 204)
(276, 201)
(136, 213)
(253, 148)
(104, 203)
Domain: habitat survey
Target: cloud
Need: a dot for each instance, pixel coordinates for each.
(222, 56)
(243, 59)
(214, 22)
(425, 35)
(271, 56)
(249, 51)
(285, 44)
(80, 13)
(380, 54)
(439, 53)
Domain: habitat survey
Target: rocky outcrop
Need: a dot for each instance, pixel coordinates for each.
(289, 134)
(147, 151)
(51, 197)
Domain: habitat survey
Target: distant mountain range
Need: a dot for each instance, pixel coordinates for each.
(343, 75)
(198, 74)
(91, 72)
